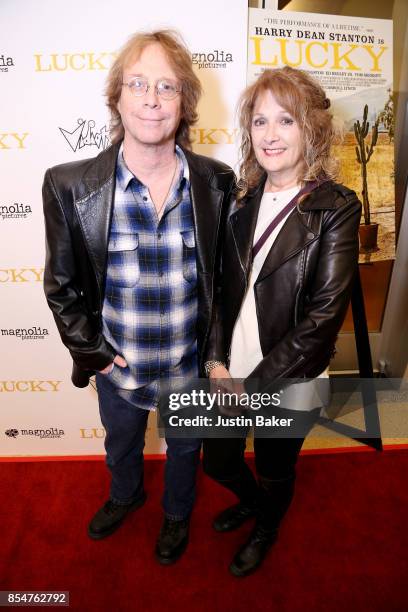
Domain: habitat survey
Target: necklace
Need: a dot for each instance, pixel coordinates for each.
(159, 210)
(276, 196)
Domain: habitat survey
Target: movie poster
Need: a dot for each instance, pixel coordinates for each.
(352, 59)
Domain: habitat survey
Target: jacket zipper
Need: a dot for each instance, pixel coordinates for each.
(246, 289)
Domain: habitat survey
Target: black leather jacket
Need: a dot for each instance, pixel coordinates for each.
(78, 201)
(304, 286)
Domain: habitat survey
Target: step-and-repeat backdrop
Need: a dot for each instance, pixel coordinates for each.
(54, 60)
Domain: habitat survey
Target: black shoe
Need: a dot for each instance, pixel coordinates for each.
(252, 553)
(173, 540)
(110, 517)
(233, 517)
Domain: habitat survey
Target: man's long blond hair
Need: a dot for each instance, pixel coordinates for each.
(179, 59)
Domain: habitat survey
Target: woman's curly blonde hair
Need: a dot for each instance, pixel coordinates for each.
(305, 100)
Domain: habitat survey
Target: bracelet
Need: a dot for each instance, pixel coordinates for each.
(210, 365)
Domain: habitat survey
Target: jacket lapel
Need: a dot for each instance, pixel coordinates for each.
(206, 201)
(243, 224)
(94, 210)
(294, 236)
(300, 229)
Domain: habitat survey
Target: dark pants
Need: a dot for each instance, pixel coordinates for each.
(275, 458)
(125, 427)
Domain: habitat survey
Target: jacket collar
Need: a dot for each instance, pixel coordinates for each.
(206, 200)
(320, 198)
(94, 210)
(102, 168)
(297, 231)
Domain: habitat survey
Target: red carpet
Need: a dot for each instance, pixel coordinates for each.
(342, 547)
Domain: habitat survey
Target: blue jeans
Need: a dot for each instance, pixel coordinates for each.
(125, 427)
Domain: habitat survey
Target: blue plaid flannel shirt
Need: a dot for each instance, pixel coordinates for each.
(150, 304)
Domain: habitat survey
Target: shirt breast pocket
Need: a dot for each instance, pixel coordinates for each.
(123, 260)
(189, 256)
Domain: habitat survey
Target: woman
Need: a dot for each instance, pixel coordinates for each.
(290, 254)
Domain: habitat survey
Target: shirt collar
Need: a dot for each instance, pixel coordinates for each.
(124, 175)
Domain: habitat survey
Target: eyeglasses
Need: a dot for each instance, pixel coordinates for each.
(165, 88)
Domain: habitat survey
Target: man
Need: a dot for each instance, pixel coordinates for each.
(132, 241)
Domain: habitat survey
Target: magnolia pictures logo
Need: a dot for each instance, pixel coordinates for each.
(6, 63)
(11, 433)
(51, 432)
(26, 333)
(85, 135)
(17, 210)
(215, 59)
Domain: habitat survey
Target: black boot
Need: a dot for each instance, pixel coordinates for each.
(274, 497)
(233, 517)
(110, 517)
(245, 488)
(172, 541)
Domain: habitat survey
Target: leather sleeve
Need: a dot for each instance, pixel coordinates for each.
(215, 344)
(87, 346)
(312, 340)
